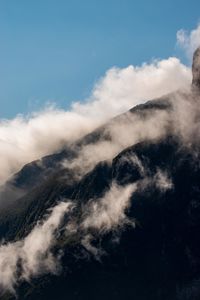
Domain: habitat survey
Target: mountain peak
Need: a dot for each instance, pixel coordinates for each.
(196, 70)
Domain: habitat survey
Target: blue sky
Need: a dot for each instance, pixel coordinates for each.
(56, 50)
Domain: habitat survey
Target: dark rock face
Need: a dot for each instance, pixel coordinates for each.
(158, 259)
(196, 70)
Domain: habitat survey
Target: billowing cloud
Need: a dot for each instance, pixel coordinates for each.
(189, 40)
(27, 138)
(121, 89)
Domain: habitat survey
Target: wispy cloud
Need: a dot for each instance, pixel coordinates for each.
(33, 256)
(189, 41)
(33, 253)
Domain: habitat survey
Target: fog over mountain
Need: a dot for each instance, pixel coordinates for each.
(27, 138)
(103, 201)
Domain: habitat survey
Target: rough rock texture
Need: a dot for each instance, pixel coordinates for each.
(196, 70)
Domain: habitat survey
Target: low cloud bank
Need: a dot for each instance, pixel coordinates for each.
(27, 138)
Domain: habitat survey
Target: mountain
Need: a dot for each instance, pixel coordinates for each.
(39, 179)
(133, 229)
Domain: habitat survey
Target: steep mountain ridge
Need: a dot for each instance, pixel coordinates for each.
(36, 178)
(133, 230)
(32, 173)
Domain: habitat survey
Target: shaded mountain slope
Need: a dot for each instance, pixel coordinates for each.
(159, 258)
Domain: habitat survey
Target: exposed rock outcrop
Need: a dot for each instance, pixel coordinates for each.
(196, 71)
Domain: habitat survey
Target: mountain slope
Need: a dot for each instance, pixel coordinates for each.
(155, 259)
(132, 231)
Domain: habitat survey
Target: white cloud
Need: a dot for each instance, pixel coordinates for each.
(33, 253)
(24, 139)
(189, 40)
(127, 130)
(109, 212)
(121, 89)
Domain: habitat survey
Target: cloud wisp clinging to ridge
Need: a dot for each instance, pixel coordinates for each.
(124, 131)
(33, 256)
(33, 253)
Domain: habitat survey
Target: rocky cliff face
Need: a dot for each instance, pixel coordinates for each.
(196, 70)
(133, 231)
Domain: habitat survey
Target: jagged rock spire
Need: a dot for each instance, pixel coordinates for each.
(196, 70)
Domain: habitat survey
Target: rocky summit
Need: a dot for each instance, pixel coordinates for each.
(196, 70)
